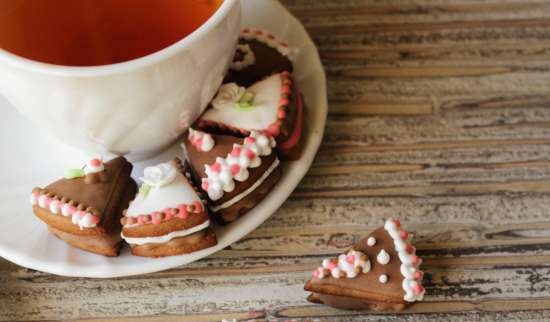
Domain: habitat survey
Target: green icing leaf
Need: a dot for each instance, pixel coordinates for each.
(74, 173)
(144, 190)
(245, 102)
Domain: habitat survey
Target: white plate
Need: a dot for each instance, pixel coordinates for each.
(29, 158)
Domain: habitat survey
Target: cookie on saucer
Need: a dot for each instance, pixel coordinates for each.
(167, 217)
(85, 207)
(259, 54)
(235, 173)
(272, 105)
(381, 272)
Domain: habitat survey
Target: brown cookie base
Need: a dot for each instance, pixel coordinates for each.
(350, 303)
(177, 246)
(232, 213)
(105, 244)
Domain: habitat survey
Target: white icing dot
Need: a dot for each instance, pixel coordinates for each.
(371, 241)
(383, 278)
(383, 257)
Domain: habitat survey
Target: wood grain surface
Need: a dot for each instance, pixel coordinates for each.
(440, 115)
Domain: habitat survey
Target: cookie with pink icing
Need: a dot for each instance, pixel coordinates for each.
(259, 54)
(168, 217)
(272, 105)
(381, 272)
(85, 207)
(235, 173)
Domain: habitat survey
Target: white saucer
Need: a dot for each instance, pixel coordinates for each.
(29, 158)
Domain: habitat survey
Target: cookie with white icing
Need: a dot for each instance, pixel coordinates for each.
(272, 105)
(167, 216)
(85, 207)
(258, 55)
(234, 173)
(381, 272)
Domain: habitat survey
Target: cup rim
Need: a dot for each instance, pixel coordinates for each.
(101, 70)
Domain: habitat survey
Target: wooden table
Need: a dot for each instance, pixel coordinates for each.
(440, 115)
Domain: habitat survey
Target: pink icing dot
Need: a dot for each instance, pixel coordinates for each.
(198, 206)
(250, 154)
(285, 89)
(285, 73)
(418, 275)
(183, 214)
(397, 222)
(36, 194)
(350, 259)
(130, 220)
(156, 217)
(235, 169)
(236, 151)
(415, 260)
(417, 289)
(48, 201)
(95, 219)
(198, 143)
(249, 140)
(95, 162)
(409, 248)
(315, 273)
(216, 167)
(71, 210)
(281, 114)
(168, 214)
(331, 265)
(141, 219)
(273, 129)
(404, 234)
(283, 102)
(204, 184)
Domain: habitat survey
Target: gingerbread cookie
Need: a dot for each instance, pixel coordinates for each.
(167, 217)
(235, 173)
(258, 55)
(272, 105)
(85, 207)
(381, 272)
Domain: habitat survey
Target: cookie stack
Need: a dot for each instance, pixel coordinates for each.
(232, 161)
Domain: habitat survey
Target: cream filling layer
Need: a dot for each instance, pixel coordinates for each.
(245, 193)
(165, 238)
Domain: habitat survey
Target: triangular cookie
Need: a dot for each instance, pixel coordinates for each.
(381, 272)
(84, 209)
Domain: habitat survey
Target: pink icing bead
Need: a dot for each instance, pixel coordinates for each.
(404, 234)
(95, 162)
(283, 102)
(141, 219)
(350, 259)
(250, 154)
(36, 194)
(249, 140)
(235, 168)
(397, 222)
(216, 167)
(156, 217)
(331, 265)
(315, 273)
(168, 214)
(273, 129)
(417, 289)
(198, 206)
(236, 151)
(72, 210)
(204, 184)
(409, 248)
(183, 214)
(415, 260)
(130, 220)
(281, 114)
(418, 275)
(285, 73)
(285, 89)
(95, 219)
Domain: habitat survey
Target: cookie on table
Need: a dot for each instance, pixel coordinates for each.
(167, 217)
(381, 273)
(85, 207)
(235, 173)
(272, 105)
(259, 54)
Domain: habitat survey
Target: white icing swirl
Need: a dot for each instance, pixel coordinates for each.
(348, 265)
(200, 140)
(383, 278)
(409, 262)
(248, 58)
(159, 175)
(383, 257)
(228, 95)
(220, 176)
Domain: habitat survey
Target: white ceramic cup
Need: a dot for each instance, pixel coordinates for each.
(132, 108)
